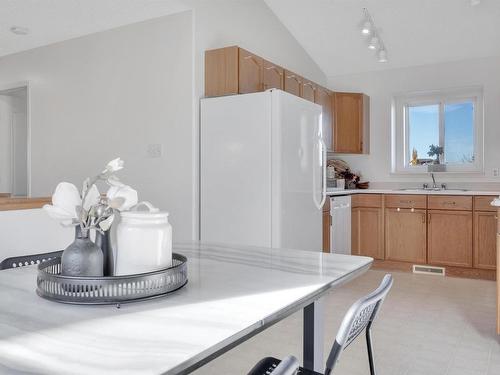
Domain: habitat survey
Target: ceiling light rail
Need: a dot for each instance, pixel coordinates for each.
(375, 42)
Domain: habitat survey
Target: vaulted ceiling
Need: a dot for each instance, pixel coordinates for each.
(51, 21)
(415, 32)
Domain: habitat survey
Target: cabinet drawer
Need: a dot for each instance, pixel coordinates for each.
(406, 201)
(366, 200)
(483, 203)
(450, 202)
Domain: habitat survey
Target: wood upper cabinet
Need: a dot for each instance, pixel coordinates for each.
(327, 222)
(449, 238)
(250, 72)
(323, 97)
(308, 90)
(367, 226)
(272, 76)
(406, 235)
(351, 123)
(221, 71)
(292, 83)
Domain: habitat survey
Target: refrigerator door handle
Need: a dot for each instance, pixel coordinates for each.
(322, 164)
(323, 169)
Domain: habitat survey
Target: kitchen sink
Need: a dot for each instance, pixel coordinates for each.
(433, 190)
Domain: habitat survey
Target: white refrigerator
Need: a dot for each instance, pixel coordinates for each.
(262, 171)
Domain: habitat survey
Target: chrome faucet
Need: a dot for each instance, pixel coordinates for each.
(434, 185)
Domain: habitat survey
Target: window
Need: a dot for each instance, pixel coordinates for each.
(438, 128)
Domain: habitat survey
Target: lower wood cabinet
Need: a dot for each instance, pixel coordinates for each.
(449, 238)
(367, 233)
(406, 235)
(458, 232)
(485, 250)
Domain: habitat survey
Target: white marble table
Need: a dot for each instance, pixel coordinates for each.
(232, 294)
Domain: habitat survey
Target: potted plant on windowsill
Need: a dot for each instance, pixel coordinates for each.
(438, 152)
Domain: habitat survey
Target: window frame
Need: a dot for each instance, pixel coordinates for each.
(400, 127)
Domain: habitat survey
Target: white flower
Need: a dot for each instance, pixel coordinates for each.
(113, 166)
(121, 198)
(106, 224)
(92, 198)
(114, 181)
(65, 201)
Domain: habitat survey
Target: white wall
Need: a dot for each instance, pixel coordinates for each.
(5, 136)
(383, 85)
(37, 233)
(249, 24)
(111, 94)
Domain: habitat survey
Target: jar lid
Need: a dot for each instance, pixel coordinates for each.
(151, 212)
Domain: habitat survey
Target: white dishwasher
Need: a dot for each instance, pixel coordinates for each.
(340, 229)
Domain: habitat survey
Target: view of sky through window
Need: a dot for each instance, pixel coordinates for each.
(423, 128)
(458, 122)
(459, 133)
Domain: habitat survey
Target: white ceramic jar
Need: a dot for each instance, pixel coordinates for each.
(143, 240)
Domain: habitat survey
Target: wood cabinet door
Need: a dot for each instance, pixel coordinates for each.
(308, 89)
(272, 76)
(221, 71)
(485, 234)
(326, 232)
(406, 235)
(323, 97)
(348, 123)
(250, 72)
(292, 83)
(367, 232)
(449, 238)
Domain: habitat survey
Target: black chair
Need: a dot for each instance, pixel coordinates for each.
(28, 260)
(359, 318)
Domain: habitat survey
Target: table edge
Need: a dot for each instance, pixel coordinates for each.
(235, 340)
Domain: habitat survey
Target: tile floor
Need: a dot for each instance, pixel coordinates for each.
(428, 325)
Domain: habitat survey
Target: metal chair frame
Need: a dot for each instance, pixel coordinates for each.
(358, 318)
(28, 260)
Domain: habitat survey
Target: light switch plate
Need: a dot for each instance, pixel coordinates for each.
(155, 150)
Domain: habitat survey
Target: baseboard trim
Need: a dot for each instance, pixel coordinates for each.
(468, 273)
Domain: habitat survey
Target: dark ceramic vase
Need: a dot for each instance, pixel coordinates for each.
(82, 257)
(103, 241)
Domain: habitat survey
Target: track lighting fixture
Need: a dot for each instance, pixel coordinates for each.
(382, 56)
(375, 43)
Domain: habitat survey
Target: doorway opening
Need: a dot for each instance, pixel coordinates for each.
(14, 142)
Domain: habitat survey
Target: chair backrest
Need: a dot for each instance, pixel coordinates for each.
(359, 316)
(28, 260)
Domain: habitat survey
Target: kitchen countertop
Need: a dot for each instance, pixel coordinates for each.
(232, 293)
(411, 192)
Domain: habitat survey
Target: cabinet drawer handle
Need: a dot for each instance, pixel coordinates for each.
(451, 203)
(403, 201)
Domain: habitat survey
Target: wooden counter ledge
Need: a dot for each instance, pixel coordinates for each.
(8, 203)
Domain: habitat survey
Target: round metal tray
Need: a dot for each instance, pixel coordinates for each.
(53, 286)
